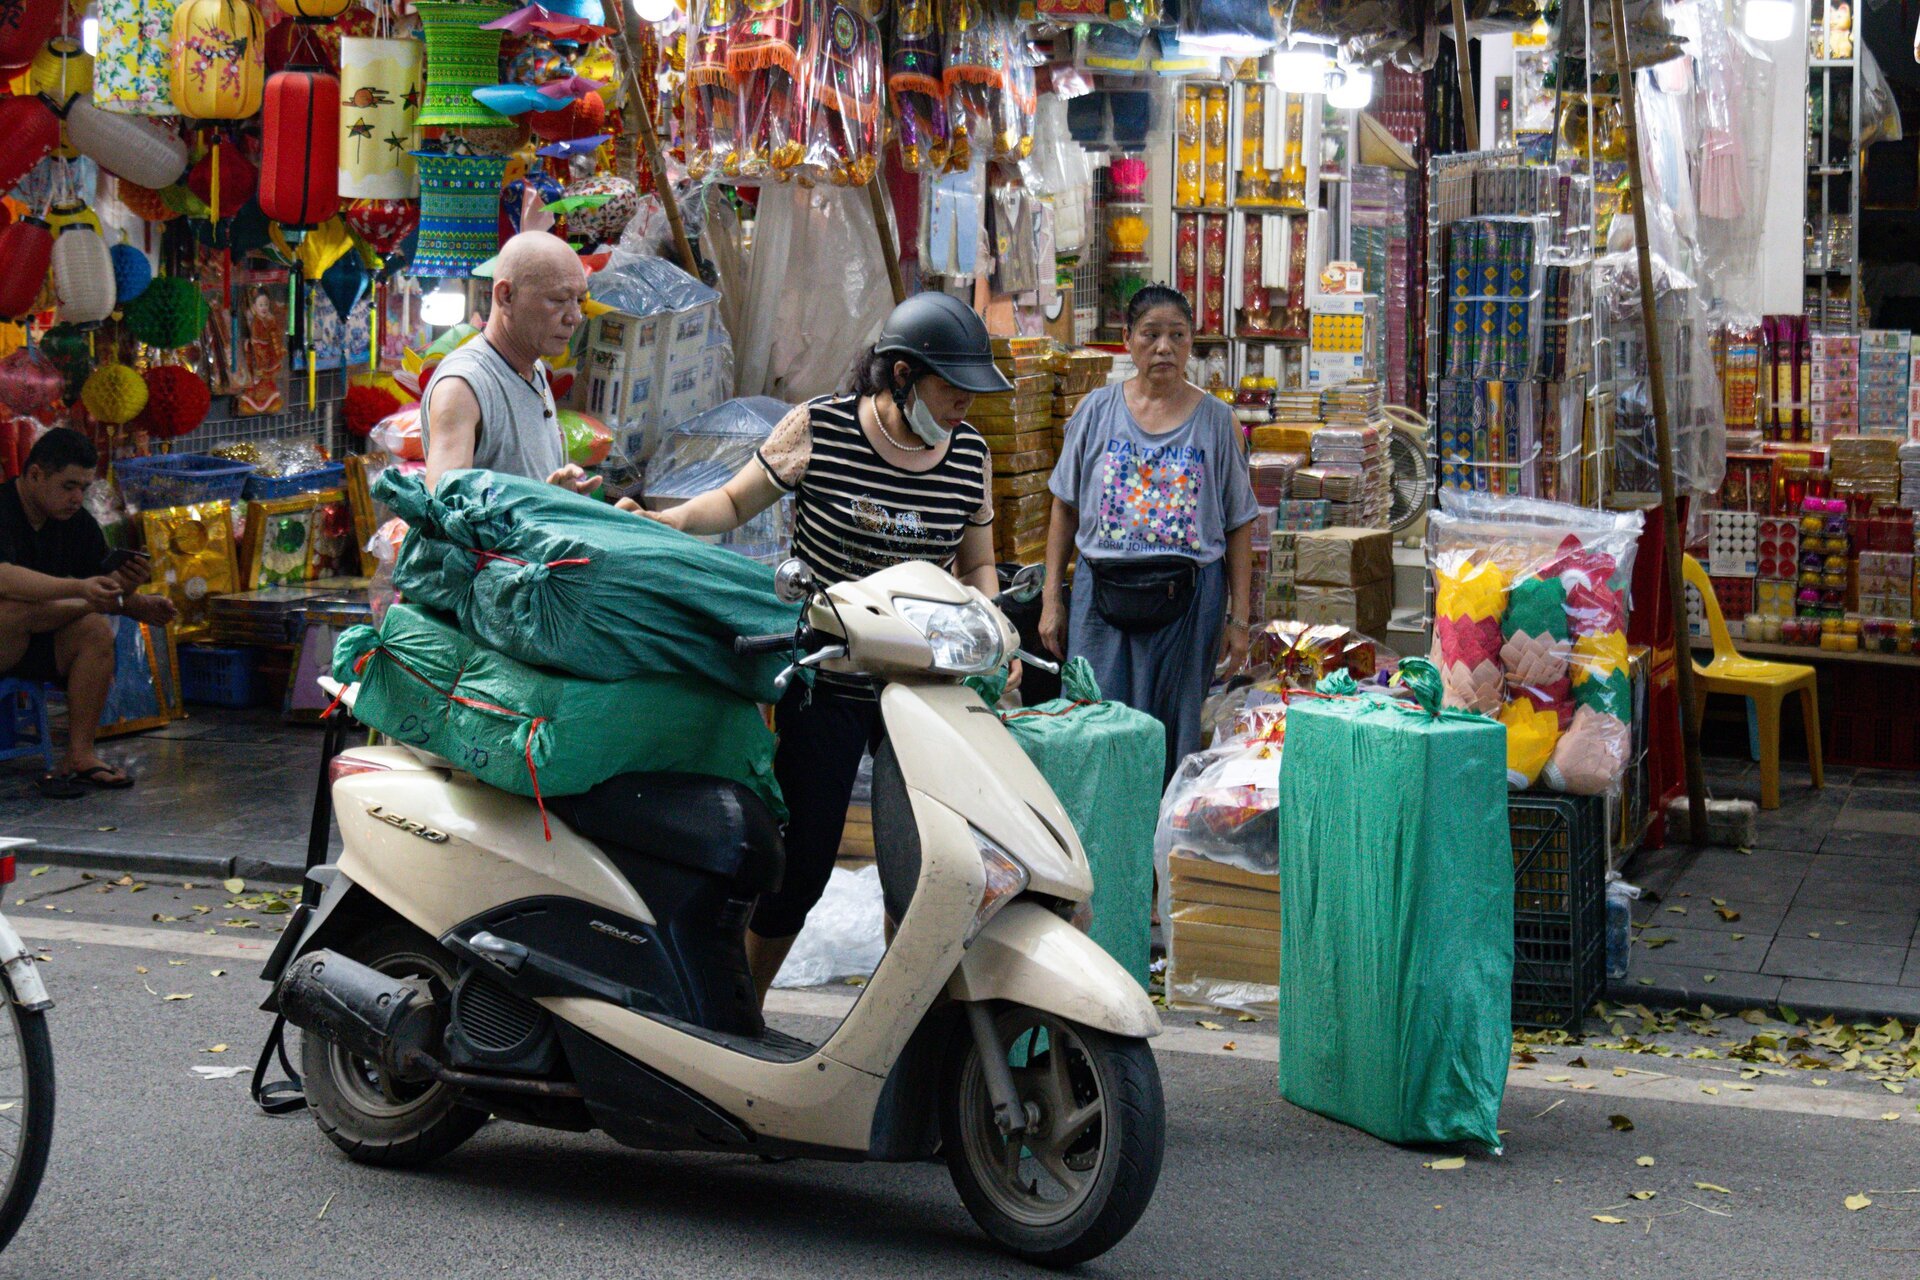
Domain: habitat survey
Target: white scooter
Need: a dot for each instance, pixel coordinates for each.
(459, 964)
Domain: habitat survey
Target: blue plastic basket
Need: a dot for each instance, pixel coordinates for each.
(216, 676)
(263, 488)
(179, 480)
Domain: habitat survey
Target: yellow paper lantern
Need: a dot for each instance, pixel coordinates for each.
(61, 70)
(313, 10)
(114, 394)
(219, 67)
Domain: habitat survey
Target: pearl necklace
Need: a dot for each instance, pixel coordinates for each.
(887, 435)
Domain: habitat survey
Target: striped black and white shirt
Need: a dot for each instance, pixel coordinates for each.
(856, 513)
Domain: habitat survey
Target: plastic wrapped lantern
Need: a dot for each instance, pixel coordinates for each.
(132, 273)
(30, 385)
(29, 131)
(462, 55)
(114, 394)
(82, 275)
(236, 177)
(380, 92)
(26, 247)
(25, 26)
(132, 72)
(712, 108)
(140, 151)
(218, 59)
(763, 58)
(459, 213)
(607, 220)
(300, 148)
(177, 401)
(917, 90)
(61, 71)
(169, 313)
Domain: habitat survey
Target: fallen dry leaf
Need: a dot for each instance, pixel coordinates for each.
(1620, 1072)
(1451, 1162)
(1740, 937)
(180, 995)
(235, 885)
(216, 972)
(1620, 1123)
(218, 1048)
(1890, 1115)
(1585, 1086)
(1726, 913)
(38, 871)
(1229, 1046)
(1707, 1088)
(1643, 1195)
(1609, 1219)
(1856, 1202)
(1645, 1162)
(1210, 1026)
(139, 968)
(1813, 935)
(1891, 1087)
(1711, 1186)
(1557, 1079)
(1247, 1017)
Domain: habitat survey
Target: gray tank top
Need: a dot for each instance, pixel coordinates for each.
(519, 433)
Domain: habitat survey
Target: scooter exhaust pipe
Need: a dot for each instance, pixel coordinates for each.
(368, 1014)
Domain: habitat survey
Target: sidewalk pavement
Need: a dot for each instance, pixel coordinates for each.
(1823, 913)
(1827, 901)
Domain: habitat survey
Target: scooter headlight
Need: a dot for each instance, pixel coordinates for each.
(965, 638)
(1006, 880)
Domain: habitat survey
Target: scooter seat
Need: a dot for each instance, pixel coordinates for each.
(706, 824)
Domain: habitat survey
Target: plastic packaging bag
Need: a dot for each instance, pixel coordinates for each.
(844, 934)
(1530, 607)
(763, 58)
(916, 90)
(990, 84)
(712, 105)
(705, 452)
(843, 74)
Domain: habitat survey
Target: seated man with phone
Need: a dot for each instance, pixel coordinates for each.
(58, 586)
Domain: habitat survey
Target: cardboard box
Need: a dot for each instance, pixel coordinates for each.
(1364, 608)
(1344, 556)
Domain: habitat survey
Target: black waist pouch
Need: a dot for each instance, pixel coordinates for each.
(1144, 594)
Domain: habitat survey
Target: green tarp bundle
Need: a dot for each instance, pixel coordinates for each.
(1104, 761)
(1396, 893)
(565, 581)
(532, 731)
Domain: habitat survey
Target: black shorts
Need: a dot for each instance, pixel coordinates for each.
(38, 662)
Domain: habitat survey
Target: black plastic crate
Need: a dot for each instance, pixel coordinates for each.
(1559, 907)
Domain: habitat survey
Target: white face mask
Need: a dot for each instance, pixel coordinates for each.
(929, 428)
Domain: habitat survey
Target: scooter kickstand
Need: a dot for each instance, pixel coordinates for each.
(1009, 1113)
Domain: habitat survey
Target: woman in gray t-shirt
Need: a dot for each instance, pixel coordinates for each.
(1152, 491)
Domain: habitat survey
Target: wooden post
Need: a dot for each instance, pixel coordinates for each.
(877, 198)
(1469, 109)
(649, 151)
(1663, 444)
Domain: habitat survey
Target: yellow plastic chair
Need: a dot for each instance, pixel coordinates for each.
(1768, 684)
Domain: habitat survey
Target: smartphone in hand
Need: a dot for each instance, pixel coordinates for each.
(120, 557)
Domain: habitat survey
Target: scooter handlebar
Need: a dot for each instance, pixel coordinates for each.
(782, 642)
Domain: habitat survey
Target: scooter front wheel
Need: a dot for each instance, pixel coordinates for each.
(376, 1119)
(1073, 1183)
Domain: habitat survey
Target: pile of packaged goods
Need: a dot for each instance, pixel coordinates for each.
(1350, 456)
(1344, 577)
(1885, 355)
(1018, 426)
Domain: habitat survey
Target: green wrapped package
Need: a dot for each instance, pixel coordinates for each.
(1396, 886)
(560, 580)
(535, 732)
(1104, 761)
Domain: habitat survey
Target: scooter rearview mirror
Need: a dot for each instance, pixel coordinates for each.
(793, 581)
(1026, 584)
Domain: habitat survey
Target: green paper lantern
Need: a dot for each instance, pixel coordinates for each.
(1536, 606)
(171, 313)
(67, 347)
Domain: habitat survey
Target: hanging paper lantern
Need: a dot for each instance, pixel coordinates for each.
(345, 283)
(82, 275)
(63, 212)
(459, 213)
(462, 55)
(237, 179)
(383, 224)
(177, 402)
(218, 60)
(132, 273)
(29, 131)
(26, 247)
(606, 221)
(25, 25)
(114, 394)
(140, 151)
(585, 10)
(30, 385)
(313, 10)
(302, 45)
(145, 203)
(581, 118)
(70, 350)
(132, 71)
(380, 94)
(300, 144)
(61, 70)
(169, 313)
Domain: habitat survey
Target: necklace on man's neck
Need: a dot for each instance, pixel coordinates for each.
(881, 423)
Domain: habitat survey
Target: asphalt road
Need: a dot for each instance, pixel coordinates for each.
(157, 1172)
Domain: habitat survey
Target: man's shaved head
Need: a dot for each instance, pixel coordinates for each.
(538, 288)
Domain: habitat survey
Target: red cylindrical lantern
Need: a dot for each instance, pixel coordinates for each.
(300, 148)
(29, 131)
(25, 25)
(26, 247)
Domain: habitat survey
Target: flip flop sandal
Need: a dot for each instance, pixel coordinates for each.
(59, 786)
(102, 777)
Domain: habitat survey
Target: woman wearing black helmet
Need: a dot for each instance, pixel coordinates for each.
(885, 473)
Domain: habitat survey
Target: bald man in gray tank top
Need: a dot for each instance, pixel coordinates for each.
(488, 404)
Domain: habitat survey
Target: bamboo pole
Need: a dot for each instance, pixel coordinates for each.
(1469, 109)
(877, 199)
(649, 153)
(1663, 444)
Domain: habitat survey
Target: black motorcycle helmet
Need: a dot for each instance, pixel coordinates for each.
(944, 334)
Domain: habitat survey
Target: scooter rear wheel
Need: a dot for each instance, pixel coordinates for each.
(1074, 1183)
(371, 1117)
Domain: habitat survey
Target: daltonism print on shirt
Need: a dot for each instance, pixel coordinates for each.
(1150, 498)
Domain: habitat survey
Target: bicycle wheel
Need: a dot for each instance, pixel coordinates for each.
(26, 1110)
